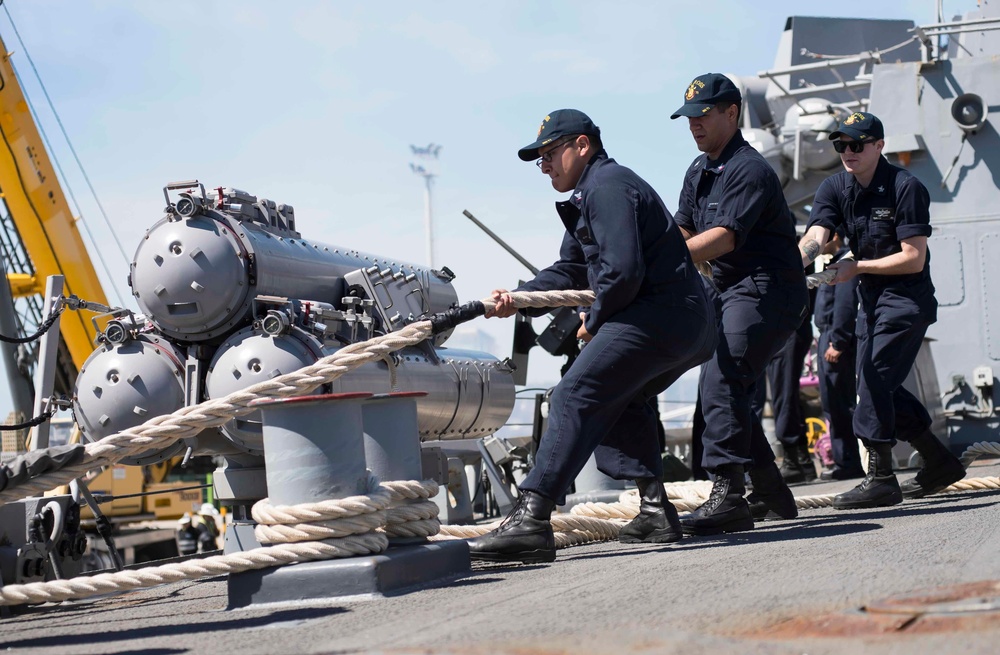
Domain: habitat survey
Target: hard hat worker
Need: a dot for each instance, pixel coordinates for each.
(651, 321)
(198, 532)
(733, 214)
(885, 212)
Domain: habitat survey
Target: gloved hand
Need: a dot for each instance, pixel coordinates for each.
(36, 462)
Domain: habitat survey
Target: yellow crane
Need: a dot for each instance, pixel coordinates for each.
(42, 227)
(45, 225)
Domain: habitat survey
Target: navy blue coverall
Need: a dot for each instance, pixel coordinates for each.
(651, 321)
(763, 292)
(895, 310)
(836, 316)
(783, 374)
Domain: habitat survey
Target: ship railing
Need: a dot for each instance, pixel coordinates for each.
(926, 33)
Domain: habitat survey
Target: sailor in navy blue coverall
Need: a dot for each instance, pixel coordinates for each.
(836, 314)
(650, 322)
(885, 212)
(733, 214)
(783, 374)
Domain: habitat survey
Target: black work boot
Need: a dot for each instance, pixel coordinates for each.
(524, 536)
(806, 464)
(837, 473)
(940, 470)
(791, 466)
(771, 499)
(657, 521)
(879, 488)
(725, 510)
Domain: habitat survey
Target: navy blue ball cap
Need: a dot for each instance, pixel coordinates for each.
(706, 91)
(860, 126)
(559, 123)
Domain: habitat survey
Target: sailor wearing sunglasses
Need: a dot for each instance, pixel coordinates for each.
(885, 212)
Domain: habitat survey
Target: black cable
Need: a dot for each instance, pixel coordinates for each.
(107, 498)
(38, 420)
(42, 329)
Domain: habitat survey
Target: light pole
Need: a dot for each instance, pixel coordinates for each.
(427, 153)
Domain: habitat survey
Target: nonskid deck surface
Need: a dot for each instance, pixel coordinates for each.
(786, 587)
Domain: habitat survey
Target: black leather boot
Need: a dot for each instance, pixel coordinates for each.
(725, 510)
(879, 488)
(806, 464)
(940, 470)
(771, 499)
(524, 536)
(837, 473)
(791, 466)
(657, 521)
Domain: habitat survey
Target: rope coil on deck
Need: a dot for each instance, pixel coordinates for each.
(330, 529)
(411, 513)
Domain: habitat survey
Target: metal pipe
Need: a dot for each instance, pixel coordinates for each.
(503, 244)
(819, 65)
(963, 30)
(847, 86)
(960, 23)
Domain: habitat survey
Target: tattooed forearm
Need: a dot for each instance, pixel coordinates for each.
(810, 250)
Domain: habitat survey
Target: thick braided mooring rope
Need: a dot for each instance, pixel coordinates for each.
(315, 531)
(686, 496)
(162, 431)
(571, 529)
(354, 526)
(347, 527)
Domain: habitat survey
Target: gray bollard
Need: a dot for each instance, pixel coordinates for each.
(314, 447)
(392, 442)
(392, 435)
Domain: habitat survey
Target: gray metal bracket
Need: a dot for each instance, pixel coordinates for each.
(48, 352)
(499, 482)
(79, 490)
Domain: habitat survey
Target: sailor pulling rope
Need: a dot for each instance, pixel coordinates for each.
(339, 525)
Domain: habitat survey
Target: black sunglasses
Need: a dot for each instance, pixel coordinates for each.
(855, 146)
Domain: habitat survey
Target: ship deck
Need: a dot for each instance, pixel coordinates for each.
(827, 582)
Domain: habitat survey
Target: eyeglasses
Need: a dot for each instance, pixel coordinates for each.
(855, 146)
(547, 157)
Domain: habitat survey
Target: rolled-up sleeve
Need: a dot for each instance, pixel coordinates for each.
(745, 196)
(826, 211)
(913, 217)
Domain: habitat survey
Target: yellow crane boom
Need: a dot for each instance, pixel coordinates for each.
(39, 210)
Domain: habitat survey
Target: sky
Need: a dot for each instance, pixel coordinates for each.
(316, 104)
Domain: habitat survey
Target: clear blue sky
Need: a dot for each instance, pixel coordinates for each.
(315, 104)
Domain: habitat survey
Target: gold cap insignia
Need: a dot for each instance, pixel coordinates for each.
(693, 89)
(542, 126)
